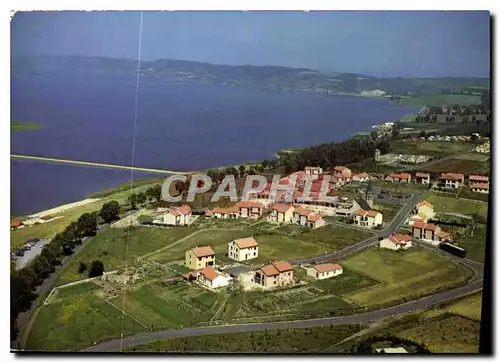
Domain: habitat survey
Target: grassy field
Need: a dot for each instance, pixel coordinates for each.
(401, 274)
(50, 229)
(431, 148)
(441, 99)
(24, 126)
(73, 291)
(447, 334)
(76, 322)
(461, 165)
(389, 211)
(110, 247)
(475, 244)
(444, 203)
(469, 307)
(125, 187)
(277, 341)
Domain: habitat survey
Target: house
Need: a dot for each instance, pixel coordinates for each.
(367, 218)
(200, 257)
(429, 232)
(396, 242)
(399, 177)
(229, 212)
(474, 179)
(425, 210)
(16, 223)
(423, 178)
(452, 180)
(306, 217)
(315, 221)
(243, 249)
(399, 350)
(324, 271)
(361, 177)
(343, 172)
(249, 209)
(480, 187)
(276, 274)
(178, 216)
(281, 213)
(313, 170)
(210, 277)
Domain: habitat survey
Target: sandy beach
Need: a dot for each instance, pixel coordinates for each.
(64, 207)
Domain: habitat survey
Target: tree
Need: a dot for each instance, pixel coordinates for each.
(132, 200)
(154, 193)
(141, 198)
(82, 267)
(422, 133)
(110, 211)
(251, 171)
(374, 135)
(87, 224)
(242, 170)
(96, 269)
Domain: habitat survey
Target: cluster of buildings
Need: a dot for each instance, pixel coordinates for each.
(484, 148)
(179, 216)
(477, 183)
(32, 220)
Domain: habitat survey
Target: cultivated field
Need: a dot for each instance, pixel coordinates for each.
(462, 164)
(110, 247)
(431, 148)
(402, 274)
(469, 307)
(441, 99)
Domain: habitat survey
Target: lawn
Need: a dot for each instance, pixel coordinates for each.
(447, 334)
(73, 291)
(469, 307)
(277, 341)
(334, 238)
(75, 323)
(110, 247)
(389, 211)
(50, 229)
(402, 274)
(447, 203)
(431, 148)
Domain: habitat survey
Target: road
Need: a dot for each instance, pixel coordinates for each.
(25, 317)
(101, 165)
(114, 345)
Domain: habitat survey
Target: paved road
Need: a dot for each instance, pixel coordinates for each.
(114, 345)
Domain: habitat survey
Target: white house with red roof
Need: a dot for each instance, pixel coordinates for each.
(180, 216)
(423, 178)
(474, 179)
(324, 271)
(429, 232)
(396, 242)
(398, 178)
(281, 213)
(452, 180)
(342, 172)
(367, 218)
(480, 187)
(306, 217)
(243, 249)
(212, 278)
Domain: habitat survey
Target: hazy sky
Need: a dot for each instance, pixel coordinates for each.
(403, 44)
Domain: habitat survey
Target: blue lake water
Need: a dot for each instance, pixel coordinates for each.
(180, 126)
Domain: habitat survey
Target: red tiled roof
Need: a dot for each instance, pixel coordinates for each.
(479, 178)
(249, 204)
(452, 176)
(203, 251)
(269, 270)
(209, 273)
(400, 238)
(280, 207)
(313, 217)
(327, 267)
(246, 242)
(185, 209)
(442, 234)
(422, 175)
(15, 223)
(282, 266)
(302, 211)
(424, 202)
(426, 226)
(363, 213)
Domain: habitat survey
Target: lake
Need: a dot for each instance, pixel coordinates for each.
(180, 126)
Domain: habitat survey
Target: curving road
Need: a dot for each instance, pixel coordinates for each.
(475, 284)
(114, 345)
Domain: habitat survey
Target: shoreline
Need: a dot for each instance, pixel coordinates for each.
(64, 207)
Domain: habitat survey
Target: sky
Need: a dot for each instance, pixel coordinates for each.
(378, 43)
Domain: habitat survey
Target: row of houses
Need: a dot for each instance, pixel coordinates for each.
(477, 183)
(287, 213)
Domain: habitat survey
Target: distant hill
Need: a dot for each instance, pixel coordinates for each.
(270, 77)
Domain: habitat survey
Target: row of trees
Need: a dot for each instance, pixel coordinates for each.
(150, 195)
(365, 346)
(25, 281)
(460, 110)
(432, 118)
